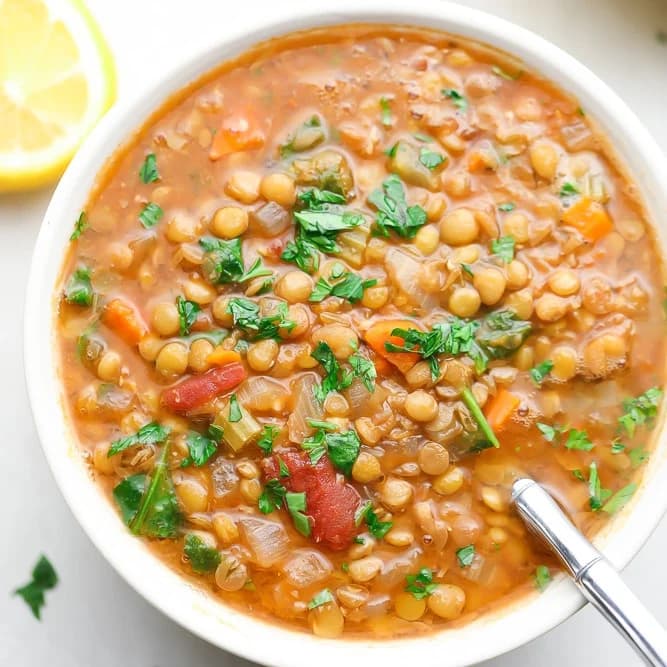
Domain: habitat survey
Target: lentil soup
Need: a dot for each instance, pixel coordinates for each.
(330, 302)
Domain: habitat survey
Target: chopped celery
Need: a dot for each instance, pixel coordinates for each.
(353, 245)
(237, 434)
(404, 161)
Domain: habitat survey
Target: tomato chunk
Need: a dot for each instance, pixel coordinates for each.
(199, 389)
(330, 501)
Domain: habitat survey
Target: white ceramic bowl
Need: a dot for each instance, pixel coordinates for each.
(491, 634)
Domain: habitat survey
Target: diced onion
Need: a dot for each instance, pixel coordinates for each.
(306, 407)
(263, 394)
(266, 539)
(403, 269)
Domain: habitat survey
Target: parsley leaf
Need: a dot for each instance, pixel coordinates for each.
(617, 447)
(272, 497)
(267, 438)
(597, 495)
(477, 414)
(149, 434)
(640, 410)
(223, 262)
(80, 226)
(200, 449)
(638, 456)
(539, 372)
(343, 449)
(506, 207)
(128, 494)
(578, 440)
(430, 159)
(44, 578)
(393, 210)
(148, 172)
(202, 558)
(619, 499)
(323, 597)
(421, 585)
(245, 315)
(504, 248)
(542, 577)
(79, 289)
(335, 378)
(568, 190)
(351, 287)
(550, 433)
(150, 215)
(378, 529)
(315, 445)
(235, 414)
(187, 314)
(385, 111)
(282, 468)
(296, 506)
(458, 100)
(365, 370)
(466, 555)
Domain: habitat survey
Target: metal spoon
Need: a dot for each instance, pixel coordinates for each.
(595, 576)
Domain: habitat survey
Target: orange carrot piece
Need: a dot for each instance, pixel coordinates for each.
(589, 217)
(380, 333)
(236, 134)
(122, 318)
(220, 356)
(500, 409)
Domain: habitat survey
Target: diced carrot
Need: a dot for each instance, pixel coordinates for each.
(589, 217)
(478, 161)
(382, 366)
(380, 333)
(121, 317)
(236, 134)
(500, 409)
(220, 356)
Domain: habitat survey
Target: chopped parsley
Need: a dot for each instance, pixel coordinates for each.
(364, 369)
(223, 262)
(282, 468)
(597, 495)
(466, 555)
(619, 499)
(568, 190)
(350, 287)
(267, 438)
(539, 372)
(506, 207)
(335, 378)
(430, 159)
(503, 248)
(640, 410)
(393, 210)
(202, 558)
(187, 314)
(200, 448)
(296, 506)
(578, 440)
(235, 413)
(149, 434)
(542, 577)
(150, 215)
(617, 447)
(342, 448)
(458, 100)
(421, 585)
(323, 597)
(638, 456)
(378, 529)
(80, 226)
(245, 315)
(385, 111)
(44, 578)
(550, 433)
(79, 289)
(148, 172)
(272, 497)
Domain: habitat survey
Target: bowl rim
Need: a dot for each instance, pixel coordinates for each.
(491, 634)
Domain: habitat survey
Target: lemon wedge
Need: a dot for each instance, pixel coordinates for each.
(57, 78)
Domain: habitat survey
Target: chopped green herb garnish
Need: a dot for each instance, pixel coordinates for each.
(539, 372)
(551, 433)
(619, 499)
(350, 287)
(597, 495)
(393, 210)
(296, 506)
(430, 159)
(640, 410)
(79, 289)
(150, 434)
(202, 558)
(364, 369)
(577, 474)
(477, 414)
(148, 172)
(321, 424)
(245, 314)
(421, 585)
(617, 447)
(542, 577)
(335, 378)
(223, 262)
(150, 215)
(80, 226)
(504, 248)
(578, 440)
(506, 207)
(342, 448)
(424, 138)
(200, 449)
(272, 497)
(568, 190)
(323, 597)
(187, 314)
(44, 578)
(638, 456)
(267, 438)
(235, 413)
(282, 468)
(378, 529)
(385, 111)
(466, 555)
(458, 100)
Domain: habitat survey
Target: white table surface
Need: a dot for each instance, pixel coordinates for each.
(94, 619)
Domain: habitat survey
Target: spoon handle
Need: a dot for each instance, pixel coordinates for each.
(595, 576)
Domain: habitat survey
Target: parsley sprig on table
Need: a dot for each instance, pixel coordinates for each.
(44, 578)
